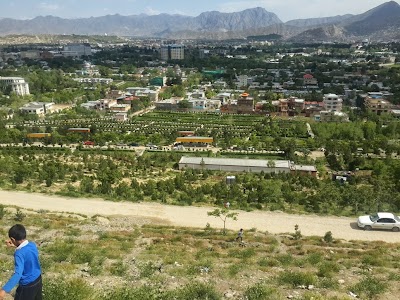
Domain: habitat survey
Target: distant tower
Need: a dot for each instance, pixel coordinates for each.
(172, 52)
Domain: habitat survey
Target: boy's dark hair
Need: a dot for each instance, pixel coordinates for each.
(17, 232)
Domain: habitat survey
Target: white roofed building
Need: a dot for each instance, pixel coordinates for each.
(18, 85)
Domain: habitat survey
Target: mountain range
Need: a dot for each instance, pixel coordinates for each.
(381, 23)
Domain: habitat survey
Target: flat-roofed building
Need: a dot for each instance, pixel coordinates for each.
(195, 140)
(245, 165)
(77, 50)
(235, 164)
(17, 84)
(38, 108)
(333, 102)
(377, 105)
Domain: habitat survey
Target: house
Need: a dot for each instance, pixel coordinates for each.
(90, 104)
(105, 104)
(332, 116)
(119, 108)
(308, 80)
(121, 117)
(167, 104)
(37, 108)
(295, 105)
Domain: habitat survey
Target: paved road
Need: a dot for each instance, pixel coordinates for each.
(273, 222)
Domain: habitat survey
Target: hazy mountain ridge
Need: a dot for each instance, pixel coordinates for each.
(318, 21)
(381, 22)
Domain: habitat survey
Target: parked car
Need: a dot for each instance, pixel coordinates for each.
(380, 220)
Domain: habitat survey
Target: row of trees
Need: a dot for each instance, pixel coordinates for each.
(150, 177)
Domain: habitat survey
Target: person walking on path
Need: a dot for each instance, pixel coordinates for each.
(27, 271)
(240, 235)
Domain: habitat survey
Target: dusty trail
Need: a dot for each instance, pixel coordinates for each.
(273, 222)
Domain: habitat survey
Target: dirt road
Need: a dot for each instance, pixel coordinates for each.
(273, 222)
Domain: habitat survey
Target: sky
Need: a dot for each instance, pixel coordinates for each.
(285, 9)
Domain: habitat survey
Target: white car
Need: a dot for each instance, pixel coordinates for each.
(380, 220)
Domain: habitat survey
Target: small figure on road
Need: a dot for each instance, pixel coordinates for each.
(240, 235)
(227, 204)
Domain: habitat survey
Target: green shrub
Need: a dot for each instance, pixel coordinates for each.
(261, 291)
(314, 258)
(370, 287)
(234, 269)
(268, 262)
(119, 269)
(60, 250)
(242, 253)
(60, 288)
(373, 260)
(327, 268)
(285, 259)
(295, 278)
(19, 215)
(142, 293)
(197, 291)
(82, 255)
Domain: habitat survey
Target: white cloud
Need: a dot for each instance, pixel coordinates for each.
(49, 6)
(150, 11)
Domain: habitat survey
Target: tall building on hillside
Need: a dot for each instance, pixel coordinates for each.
(17, 84)
(172, 52)
(333, 102)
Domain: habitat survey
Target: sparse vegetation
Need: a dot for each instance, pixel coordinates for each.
(162, 262)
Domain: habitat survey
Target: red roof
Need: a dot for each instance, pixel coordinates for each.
(308, 76)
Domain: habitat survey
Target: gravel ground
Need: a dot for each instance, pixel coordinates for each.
(273, 222)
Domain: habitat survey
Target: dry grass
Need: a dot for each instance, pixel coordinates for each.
(114, 254)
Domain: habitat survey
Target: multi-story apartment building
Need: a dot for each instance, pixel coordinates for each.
(172, 52)
(17, 84)
(333, 102)
(377, 105)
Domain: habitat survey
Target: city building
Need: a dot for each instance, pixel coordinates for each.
(37, 108)
(77, 50)
(308, 80)
(333, 102)
(377, 105)
(105, 104)
(17, 84)
(245, 165)
(172, 52)
(94, 80)
(245, 104)
(243, 81)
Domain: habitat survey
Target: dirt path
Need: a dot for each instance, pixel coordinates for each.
(273, 222)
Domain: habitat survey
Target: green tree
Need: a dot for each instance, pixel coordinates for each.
(224, 214)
